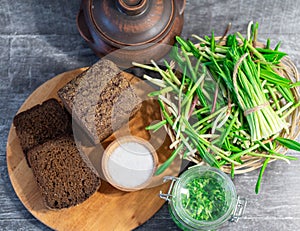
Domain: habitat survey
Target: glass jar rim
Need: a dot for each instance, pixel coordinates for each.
(187, 176)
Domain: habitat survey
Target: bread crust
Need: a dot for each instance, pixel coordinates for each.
(100, 100)
(65, 176)
(41, 123)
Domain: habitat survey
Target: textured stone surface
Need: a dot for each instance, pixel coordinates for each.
(39, 39)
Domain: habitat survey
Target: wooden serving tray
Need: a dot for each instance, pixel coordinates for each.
(109, 208)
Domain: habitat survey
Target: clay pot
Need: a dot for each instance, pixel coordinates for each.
(142, 28)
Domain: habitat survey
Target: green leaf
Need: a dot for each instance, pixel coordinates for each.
(269, 51)
(231, 40)
(290, 144)
(273, 77)
(234, 148)
(262, 170)
(296, 84)
(168, 162)
(174, 54)
(232, 171)
(213, 42)
(194, 49)
(283, 156)
(268, 43)
(156, 126)
(183, 43)
(274, 58)
(228, 129)
(207, 38)
(277, 46)
(286, 93)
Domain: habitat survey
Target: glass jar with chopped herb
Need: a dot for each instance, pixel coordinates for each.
(203, 198)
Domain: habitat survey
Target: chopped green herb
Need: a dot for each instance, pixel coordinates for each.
(204, 199)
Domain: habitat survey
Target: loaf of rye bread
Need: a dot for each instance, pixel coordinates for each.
(100, 99)
(41, 123)
(65, 176)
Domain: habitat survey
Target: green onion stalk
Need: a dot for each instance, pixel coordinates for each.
(229, 100)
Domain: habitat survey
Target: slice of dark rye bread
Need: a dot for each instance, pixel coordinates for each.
(100, 99)
(41, 123)
(65, 176)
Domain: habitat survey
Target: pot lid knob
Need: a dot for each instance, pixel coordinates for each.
(132, 22)
(132, 7)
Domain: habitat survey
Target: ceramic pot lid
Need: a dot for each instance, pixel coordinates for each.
(132, 22)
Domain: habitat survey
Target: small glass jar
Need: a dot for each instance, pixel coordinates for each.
(203, 198)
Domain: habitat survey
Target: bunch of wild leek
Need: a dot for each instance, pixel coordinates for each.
(227, 101)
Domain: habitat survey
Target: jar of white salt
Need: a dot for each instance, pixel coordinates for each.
(129, 163)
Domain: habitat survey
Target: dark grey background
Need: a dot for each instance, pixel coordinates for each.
(39, 39)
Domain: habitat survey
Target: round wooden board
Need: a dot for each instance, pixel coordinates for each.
(109, 208)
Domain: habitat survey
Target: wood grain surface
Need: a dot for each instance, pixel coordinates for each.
(96, 212)
(39, 40)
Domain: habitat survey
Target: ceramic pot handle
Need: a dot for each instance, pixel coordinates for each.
(181, 5)
(83, 28)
